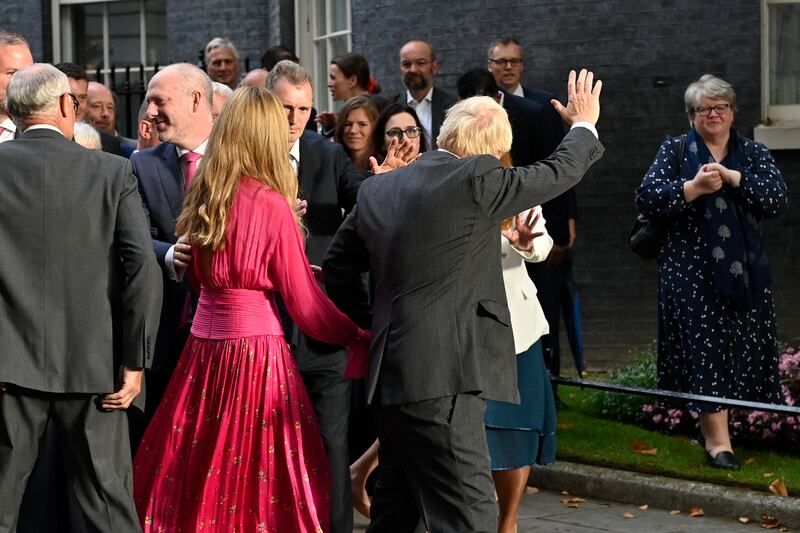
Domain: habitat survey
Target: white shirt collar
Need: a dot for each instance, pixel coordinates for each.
(428, 97)
(43, 127)
(201, 149)
(518, 91)
(9, 125)
(294, 151)
(448, 152)
(502, 98)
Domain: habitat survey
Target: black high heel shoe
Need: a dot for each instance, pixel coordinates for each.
(723, 460)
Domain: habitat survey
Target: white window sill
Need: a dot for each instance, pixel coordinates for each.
(785, 136)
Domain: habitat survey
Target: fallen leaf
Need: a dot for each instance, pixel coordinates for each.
(572, 506)
(531, 490)
(628, 515)
(750, 460)
(696, 511)
(643, 507)
(651, 451)
(574, 500)
(565, 425)
(783, 529)
(778, 487)
(769, 522)
(744, 520)
(769, 474)
(675, 512)
(565, 493)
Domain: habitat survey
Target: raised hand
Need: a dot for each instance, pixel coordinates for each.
(583, 99)
(522, 235)
(398, 154)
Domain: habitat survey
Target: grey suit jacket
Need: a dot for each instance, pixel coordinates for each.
(80, 290)
(429, 234)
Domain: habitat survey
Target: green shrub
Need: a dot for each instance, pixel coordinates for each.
(626, 407)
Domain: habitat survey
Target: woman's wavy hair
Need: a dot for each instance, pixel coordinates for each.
(379, 130)
(357, 102)
(248, 140)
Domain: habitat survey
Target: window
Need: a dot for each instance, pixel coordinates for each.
(781, 61)
(114, 34)
(323, 32)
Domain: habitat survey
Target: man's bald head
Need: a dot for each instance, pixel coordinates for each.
(101, 108)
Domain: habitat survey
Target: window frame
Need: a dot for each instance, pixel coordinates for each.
(773, 114)
(308, 34)
(61, 18)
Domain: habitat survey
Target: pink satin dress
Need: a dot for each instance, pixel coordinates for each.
(235, 445)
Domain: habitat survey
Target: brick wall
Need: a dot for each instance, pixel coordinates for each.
(628, 43)
(26, 18)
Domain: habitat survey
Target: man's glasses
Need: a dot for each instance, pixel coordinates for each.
(501, 62)
(411, 132)
(705, 111)
(420, 63)
(75, 103)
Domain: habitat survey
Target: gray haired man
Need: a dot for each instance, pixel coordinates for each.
(222, 62)
(81, 297)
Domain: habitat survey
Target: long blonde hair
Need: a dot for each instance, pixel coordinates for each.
(249, 139)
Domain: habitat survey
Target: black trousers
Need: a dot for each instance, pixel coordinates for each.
(434, 465)
(549, 280)
(330, 394)
(94, 445)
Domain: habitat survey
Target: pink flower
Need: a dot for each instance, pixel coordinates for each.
(657, 419)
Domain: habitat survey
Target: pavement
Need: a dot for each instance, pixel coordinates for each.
(615, 501)
(544, 512)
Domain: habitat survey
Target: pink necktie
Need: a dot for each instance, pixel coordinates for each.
(191, 159)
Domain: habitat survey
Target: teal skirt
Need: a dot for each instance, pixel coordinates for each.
(524, 434)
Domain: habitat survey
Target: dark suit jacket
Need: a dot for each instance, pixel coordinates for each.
(559, 210)
(429, 234)
(79, 282)
(161, 188)
(441, 101)
(329, 182)
(533, 138)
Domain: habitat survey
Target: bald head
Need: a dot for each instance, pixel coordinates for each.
(179, 101)
(101, 108)
(256, 78)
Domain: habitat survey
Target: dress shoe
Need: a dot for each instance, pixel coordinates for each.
(724, 460)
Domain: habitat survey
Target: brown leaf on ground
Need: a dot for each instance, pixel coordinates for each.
(565, 493)
(675, 512)
(783, 529)
(744, 520)
(531, 490)
(574, 500)
(643, 507)
(572, 506)
(750, 460)
(696, 511)
(565, 425)
(643, 449)
(769, 522)
(628, 515)
(651, 451)
(778, 487)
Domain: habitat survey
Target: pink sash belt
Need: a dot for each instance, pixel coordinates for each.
(235, 313)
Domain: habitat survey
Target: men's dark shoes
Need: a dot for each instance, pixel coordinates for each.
(723, 460)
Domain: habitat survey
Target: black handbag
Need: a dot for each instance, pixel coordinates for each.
(648, 236)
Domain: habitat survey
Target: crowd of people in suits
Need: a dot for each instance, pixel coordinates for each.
(202, 262)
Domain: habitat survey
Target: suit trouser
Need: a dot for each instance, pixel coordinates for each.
(95, 449)
(330, 394)
(434, 464)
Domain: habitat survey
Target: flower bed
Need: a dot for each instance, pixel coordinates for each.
(747, 427)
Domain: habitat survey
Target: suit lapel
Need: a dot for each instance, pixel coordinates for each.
(307, 168)
(170, 178)
(437, 115)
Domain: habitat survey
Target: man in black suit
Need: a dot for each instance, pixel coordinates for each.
(429, 234)
(328, 187)
(179, 107)
(531, 140)
(419, 66)
(79, 313)
(506, 63)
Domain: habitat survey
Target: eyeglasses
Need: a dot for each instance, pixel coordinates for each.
(411, 132)
(420, 63)
(75, 103)
(512, 61)
(705, 111)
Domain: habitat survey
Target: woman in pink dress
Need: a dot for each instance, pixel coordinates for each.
(234, 445)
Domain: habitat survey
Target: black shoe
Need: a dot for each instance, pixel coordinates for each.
(724, 460)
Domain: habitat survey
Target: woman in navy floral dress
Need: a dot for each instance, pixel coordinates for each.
(716, 318)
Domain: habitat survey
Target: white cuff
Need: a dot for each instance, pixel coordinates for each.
(169, 264)
(588, 125)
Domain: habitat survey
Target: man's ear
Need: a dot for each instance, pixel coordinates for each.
(64, 103)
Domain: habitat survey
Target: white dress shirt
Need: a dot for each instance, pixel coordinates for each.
(294, 157)
(424, 111)
(9, 130)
